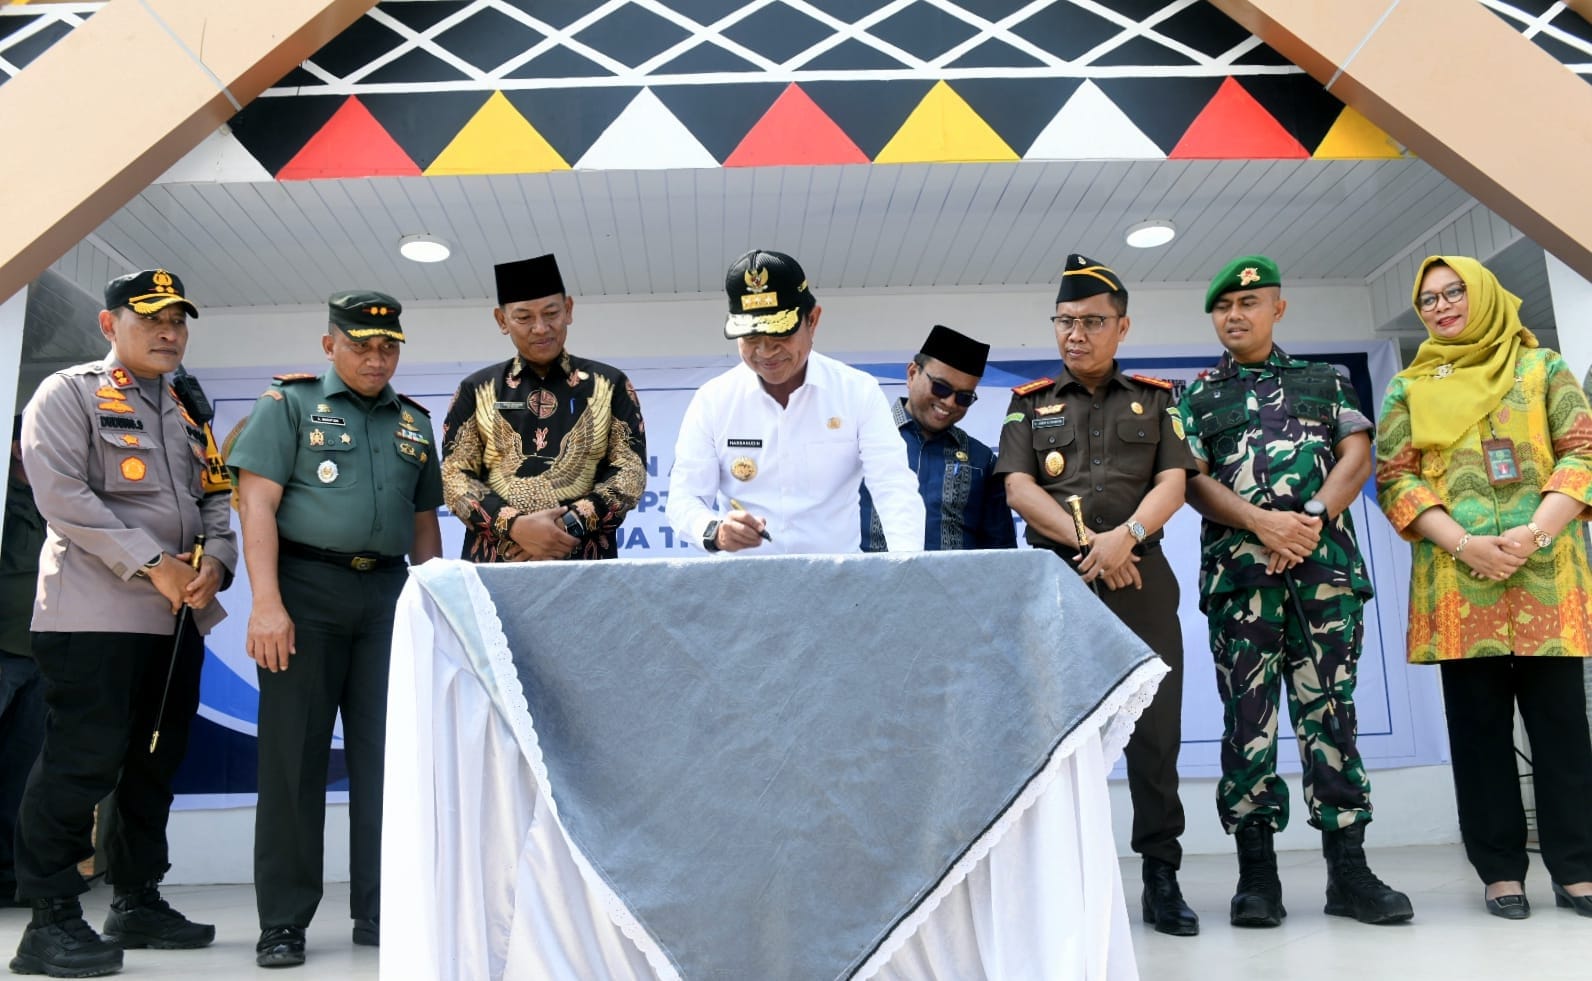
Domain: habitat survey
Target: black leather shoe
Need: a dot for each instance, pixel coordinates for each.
(367, 933)
(1513, 907)
(1162, 901)
(140, 918)
(280, 947)
(1581, 904)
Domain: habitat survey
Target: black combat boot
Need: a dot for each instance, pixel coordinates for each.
(59, 943)
(1258, 899)
(1163, 901)
(140, 918)
(1352, 889)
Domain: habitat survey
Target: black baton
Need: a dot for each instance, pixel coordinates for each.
(171, 668)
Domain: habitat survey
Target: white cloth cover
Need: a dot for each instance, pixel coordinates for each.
(481, 881)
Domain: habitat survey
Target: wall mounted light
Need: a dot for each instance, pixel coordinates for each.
(1149, 234)
(423, 248)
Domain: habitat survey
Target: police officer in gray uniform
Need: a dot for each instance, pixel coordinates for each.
(118, 463)
(337, 479)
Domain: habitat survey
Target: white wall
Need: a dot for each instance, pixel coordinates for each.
(1572, 311)
(616, 328)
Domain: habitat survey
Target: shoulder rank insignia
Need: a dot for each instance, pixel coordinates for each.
(121, 378)
(294, 376)
(1157, 382)
(1037, 385)
(414, 403)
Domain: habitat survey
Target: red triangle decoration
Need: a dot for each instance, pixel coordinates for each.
(351, 144)
(1233, 126)
(794, 132)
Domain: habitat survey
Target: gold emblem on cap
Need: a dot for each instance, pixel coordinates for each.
(1138, 408)
(833, 423)
(743, 468)
(327, 471)
(1055, 463)
(317, 438)
(961, 456)
(756, 280)
(162, 280)
(759, 301)
(1247, 275)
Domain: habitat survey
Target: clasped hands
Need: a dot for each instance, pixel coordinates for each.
(1111, 560)
(1498, 557)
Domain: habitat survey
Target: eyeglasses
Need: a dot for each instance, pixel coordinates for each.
(942, 390)
(1092, 324)
(1451, 293)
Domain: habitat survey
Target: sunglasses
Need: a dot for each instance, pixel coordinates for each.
(941, 390)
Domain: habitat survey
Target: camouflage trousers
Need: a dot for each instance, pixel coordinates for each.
(1258, 644)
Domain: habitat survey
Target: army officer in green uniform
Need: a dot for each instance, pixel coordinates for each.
(337, 480)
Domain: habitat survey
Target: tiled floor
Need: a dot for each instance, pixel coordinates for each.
(1451, 937)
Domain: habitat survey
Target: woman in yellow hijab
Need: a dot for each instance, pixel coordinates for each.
(1484, 463)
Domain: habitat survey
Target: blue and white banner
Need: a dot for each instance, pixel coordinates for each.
(1399, 706)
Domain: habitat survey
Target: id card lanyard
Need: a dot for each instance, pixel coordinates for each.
(1502, 466)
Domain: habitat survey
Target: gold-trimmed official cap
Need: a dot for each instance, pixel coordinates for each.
(148, 291)
(768, 292)
(1247, 272)
(1084, 277)
(363, 314)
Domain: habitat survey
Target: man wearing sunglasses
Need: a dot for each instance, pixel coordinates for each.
(1108, 437)
(965, 505)
(771, 453)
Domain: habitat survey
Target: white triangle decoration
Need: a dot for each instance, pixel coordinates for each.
(220, 159)
(646, 136)
(1091, 127)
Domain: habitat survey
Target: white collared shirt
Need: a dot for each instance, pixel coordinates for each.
(796, 466)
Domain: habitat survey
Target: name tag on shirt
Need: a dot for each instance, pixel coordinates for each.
(745, 443)
(329, 420)
(1048, 423)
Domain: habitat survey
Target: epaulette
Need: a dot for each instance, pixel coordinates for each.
(1157, 382)
(296, 376)
(412, 402)
(1029, 388)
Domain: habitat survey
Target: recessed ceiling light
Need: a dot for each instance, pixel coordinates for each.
(423, 248)
(1149, 234)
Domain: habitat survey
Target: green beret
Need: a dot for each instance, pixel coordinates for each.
(362, 314)
(1247, 272)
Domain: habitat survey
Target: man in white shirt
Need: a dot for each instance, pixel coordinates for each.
(771, 453)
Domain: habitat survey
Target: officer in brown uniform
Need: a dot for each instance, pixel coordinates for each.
(125, 472)
(1109, 438)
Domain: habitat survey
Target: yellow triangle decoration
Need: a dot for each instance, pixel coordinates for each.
(1353, 137)
(496, 140)
(944, 129)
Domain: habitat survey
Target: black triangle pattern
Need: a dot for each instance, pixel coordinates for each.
(719, 116)
(424, 123)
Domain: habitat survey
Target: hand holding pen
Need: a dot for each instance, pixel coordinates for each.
(739, 529)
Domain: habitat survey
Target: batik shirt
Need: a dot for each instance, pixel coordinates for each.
(1546, 607)
(516, 442)
(965, 503)
(1267, 433)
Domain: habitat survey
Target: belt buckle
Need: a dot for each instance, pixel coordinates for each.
(362, 563)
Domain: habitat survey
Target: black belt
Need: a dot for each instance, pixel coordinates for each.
(358, 561)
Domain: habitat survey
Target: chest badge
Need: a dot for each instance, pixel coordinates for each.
(120, 408)
(1055, 463)
(326, 472)
(133, 468)
(833, 423)
(1049, 410)
(961, 456)
(347, 439)
(129, 440)
(317, 438)
(1138, 408)
(743, 468)
(542, 402)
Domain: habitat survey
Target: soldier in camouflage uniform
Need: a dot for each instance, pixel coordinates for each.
(1283, 450)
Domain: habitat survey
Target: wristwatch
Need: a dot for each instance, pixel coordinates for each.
(1315, 508)
(710, 536)
(144, 569)
(1136, 530)
(1542, 538)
